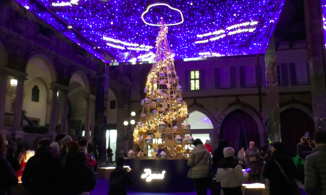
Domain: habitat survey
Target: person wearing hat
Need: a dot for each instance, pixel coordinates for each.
(280, 171)
(230, 174)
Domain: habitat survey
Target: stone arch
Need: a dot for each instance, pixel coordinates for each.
(3, 55)
(81, 78)
(48, 65)
(205, 112)
(306, 110)
(249, 111)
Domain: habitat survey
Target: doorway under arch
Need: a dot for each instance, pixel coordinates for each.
(239, 128)
(294, 124)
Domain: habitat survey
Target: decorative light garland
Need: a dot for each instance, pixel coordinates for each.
(98, 21)
(115, 46)
(161, 4)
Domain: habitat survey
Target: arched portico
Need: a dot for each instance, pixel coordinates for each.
(247, 110)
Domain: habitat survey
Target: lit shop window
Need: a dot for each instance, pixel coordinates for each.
(194, 80)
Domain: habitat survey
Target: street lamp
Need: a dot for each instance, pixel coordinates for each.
(132, 122)
(125, 123)
(13, 82)
(133, 113)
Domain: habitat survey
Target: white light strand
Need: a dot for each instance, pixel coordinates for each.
(161, 4)
(241, 31)
(217, 38)
(120, 42)
(61, 4)
(204, 53)
(241, 25)
(211, 33)
(203, 41)
(138, 49)
(115, 46)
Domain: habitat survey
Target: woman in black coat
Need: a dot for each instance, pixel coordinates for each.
(278, 184)
(217, 158)
(78, 176)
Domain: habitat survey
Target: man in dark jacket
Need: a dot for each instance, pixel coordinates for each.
(315, 167)
(119, 179)
(277, 182)
(42, 173)
(8, 177)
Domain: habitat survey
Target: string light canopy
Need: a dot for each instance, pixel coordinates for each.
(323, 6)
(227, 28)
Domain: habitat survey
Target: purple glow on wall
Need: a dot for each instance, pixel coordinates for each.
(323, 6)
(205, 120)
(121, 20)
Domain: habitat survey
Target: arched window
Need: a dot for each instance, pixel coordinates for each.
(35, 94)
(198, 120)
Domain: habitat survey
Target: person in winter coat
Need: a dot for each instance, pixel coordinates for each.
(278, 184)
(63, 149)
(208, 146)
(217, 158)
(230, 173)
(10, 156)
(315, 167)
(119, 179)
(8, 177)
(242, 157)
(43, 172)
(200, 162)
(78, 176)
(305, 147)
(252, 160)
(83, 144)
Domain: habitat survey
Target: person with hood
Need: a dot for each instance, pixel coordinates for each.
(55, 149)
(217, 158)
(42, 174)
(78, 176)
(8, 177)
(230, 174)
(252, 160)
(200, 162)
(315, 167)
(209, 147)
(280, 171)
(119, 179)
(63, 149)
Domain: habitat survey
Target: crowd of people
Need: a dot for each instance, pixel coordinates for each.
(65, 167)
(61, 167)
(225, 172)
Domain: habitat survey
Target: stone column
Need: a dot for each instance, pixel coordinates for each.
(48, 110)
(3, 94)
(273, 113)
(90, 139)
(316, 57)
(87, 118)
(18, 111)
(121, 131)
(63, 127)
(53, 120)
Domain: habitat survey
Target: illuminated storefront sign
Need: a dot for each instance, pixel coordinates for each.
(149, 176)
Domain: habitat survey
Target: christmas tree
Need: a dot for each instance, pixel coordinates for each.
(163, 124)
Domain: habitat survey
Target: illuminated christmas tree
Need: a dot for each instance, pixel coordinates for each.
(163, 118)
